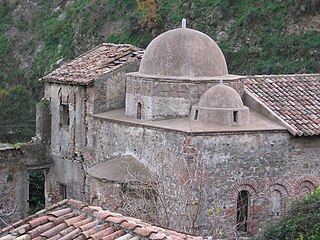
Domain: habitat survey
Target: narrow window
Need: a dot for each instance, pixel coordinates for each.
(235, 116)
(196, 115)
(139, 110)
(63, 190)
(65, 119)
(242, 211)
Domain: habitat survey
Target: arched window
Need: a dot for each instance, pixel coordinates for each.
(242, 211)
(139, 110)
(304, 191)
(276, 203)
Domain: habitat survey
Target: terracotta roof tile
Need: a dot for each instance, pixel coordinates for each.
(102, 215)
(70, 221)
(54, 231)
(71, 235)
(60, 212)
(63, 217)
(135, 238)
(89, 225)
(21, 229)
(125, 237)
(24, 237)
(114, 235)
(88, 233)
(38, 221)
(157, 236)
(293, 98)
(76, 204)
(128, 225)
(83, 222)
(116, 220)
(143, 231)
(104, 233)
(74, 220)
(67, 230)
(40, 229)
(56, 237)
(80, 237)
(95, 63)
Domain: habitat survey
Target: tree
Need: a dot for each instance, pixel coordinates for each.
(17, 112)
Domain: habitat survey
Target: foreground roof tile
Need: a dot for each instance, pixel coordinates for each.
(69, 221)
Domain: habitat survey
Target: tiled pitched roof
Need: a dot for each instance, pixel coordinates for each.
(100, 60)
(293, 98)
(71, 219)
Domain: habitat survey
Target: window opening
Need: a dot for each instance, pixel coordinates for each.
(139, 110)
(196, 115)
(242, 211)
(36, 191)
(63, 190)
(235, 116)
(65, 119)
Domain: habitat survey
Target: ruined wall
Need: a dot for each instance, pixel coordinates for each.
(163, 98)
(15, 162)
(13, 175)
(273, 167)
(65, 180)
(67, 104)
(73, 142)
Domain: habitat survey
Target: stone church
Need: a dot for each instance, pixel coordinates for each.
(168, 135)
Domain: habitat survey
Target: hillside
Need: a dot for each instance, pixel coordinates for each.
(256, 36)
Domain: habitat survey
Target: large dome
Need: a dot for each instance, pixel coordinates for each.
(183, 52)
(220, 96)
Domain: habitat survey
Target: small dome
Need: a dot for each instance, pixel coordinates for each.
(220, 96)
(122, 169)
(183, 52)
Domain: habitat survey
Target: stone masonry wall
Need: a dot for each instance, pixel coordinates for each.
(108, 92)
(273, 167)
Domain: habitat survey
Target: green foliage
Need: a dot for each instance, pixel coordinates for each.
(36, 191)
(15, 105)
(17, 114)
(301, 222)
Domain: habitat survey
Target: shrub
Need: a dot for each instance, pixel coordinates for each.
(301, 222)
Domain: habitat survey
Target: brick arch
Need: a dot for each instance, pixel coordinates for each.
(244, 185)
(281, 188)
(310, 183)
(281, 185)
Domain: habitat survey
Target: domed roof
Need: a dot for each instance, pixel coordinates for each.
(183, 52)
(122, 169)
(220, 96)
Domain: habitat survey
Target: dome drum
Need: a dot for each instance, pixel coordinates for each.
(234, 117)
